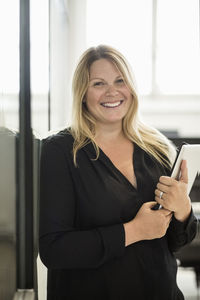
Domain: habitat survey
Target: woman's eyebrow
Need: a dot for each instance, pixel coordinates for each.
(99, 78)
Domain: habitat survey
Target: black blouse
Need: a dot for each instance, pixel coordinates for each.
(82, 238)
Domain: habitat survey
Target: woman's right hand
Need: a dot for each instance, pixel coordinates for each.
(148, 224)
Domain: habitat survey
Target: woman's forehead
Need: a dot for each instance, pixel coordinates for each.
(103, 67)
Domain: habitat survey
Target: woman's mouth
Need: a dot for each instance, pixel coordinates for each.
(112, 104)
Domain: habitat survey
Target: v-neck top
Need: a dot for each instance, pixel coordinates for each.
(103, 154)
(82, 238)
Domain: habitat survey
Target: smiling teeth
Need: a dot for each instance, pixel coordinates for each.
(108, 104)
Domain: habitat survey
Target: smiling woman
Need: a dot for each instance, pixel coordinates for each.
(99, 237)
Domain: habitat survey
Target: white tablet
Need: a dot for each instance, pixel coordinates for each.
(190, 153)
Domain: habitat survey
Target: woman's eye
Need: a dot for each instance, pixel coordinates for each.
(98, 83)
(120, 81)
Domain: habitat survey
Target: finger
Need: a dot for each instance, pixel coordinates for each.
(162, 187)
(166, 212)
(159, 200)
(168, 222)
(169, 218)
(159, 193)
(151, 204)
(184, 172)
(166, 180)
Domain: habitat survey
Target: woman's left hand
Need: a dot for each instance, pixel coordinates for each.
(172, 194)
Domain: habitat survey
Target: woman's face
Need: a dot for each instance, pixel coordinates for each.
(107, 98)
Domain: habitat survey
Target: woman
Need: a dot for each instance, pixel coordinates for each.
(100, 237)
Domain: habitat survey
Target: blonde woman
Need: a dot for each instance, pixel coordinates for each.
(100, 237)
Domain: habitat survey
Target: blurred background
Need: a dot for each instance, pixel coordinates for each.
(41, 41)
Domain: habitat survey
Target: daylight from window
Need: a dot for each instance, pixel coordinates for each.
(160, 41)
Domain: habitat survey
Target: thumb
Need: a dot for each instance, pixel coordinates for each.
(151, 204)
(184, 172)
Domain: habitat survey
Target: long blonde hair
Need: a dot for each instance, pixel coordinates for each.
(83, 124)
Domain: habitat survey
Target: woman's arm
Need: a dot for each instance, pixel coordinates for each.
(61, 243)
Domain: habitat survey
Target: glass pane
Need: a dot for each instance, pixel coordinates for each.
(39, 36)
(9, 124)
(126, 25)
(9, 62)
(178, 57)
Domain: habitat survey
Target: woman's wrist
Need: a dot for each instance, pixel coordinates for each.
(132, 233)
(184, 213)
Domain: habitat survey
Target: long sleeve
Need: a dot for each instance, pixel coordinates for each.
(181, 233)
(62, 245)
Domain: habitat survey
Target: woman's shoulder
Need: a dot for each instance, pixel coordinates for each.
(61, 139)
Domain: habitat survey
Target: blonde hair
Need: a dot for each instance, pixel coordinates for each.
(83, 124)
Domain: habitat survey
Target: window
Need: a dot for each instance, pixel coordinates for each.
(178, 58)
(9, 62)
(159, 38)
(39, 32)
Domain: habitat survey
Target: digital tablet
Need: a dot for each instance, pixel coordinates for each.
(190, 153)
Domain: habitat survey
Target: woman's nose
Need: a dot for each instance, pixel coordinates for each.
(111, 90)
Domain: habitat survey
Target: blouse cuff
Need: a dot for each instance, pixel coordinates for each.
(114, 240)
(185, 231)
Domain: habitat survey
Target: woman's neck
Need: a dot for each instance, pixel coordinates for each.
(109, 134)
